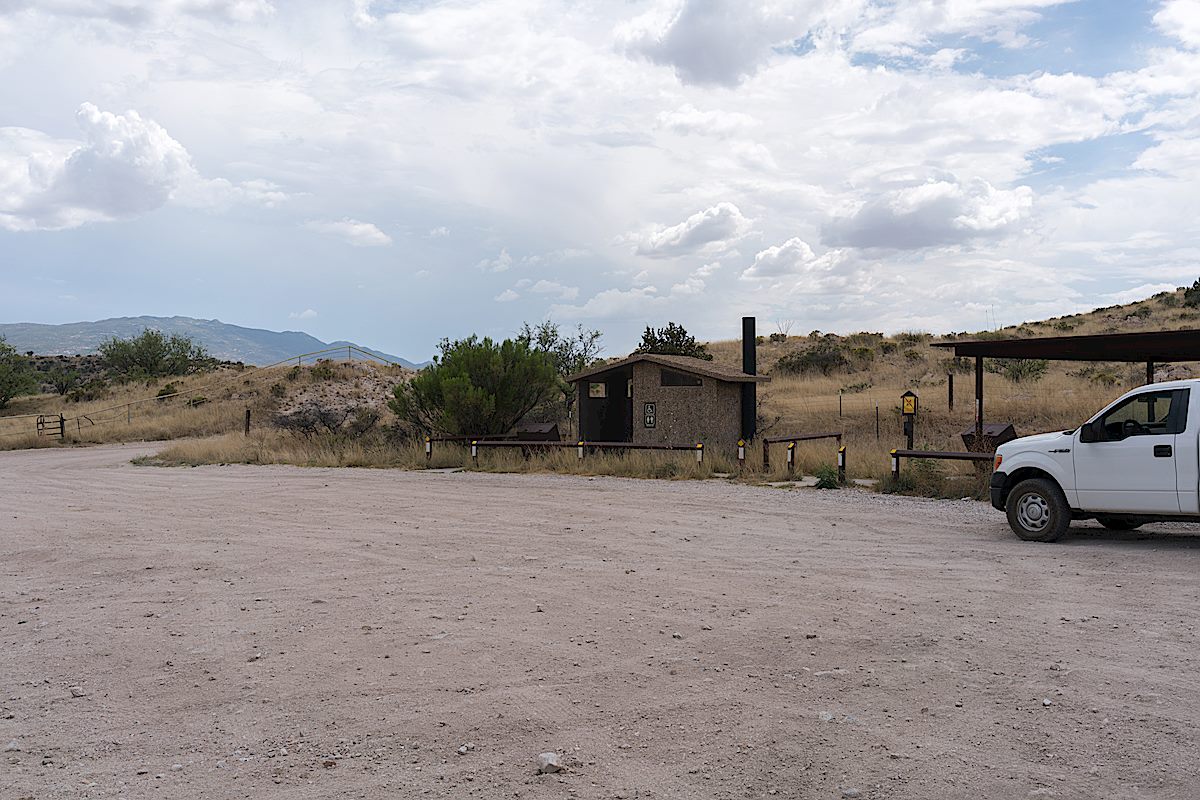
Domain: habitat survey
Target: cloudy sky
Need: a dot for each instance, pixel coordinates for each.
(396, 171)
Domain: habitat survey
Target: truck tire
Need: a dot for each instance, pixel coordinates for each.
(1120, 523)
(1038, 511)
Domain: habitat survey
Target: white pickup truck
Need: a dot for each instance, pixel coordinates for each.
(1136, 461)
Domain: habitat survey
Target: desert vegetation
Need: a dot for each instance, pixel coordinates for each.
(339, 414)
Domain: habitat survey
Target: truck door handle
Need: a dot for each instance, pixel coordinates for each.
(1162, 451)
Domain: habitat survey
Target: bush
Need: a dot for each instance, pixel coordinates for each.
(1141, 312)
(62, 379)
(168, 390)
(775, 338)
(476, 387)
(827, 477)
(152, 354)
(323, 370)
(16, 375)
(197, 401)
(294, 373)
(887, 348)
(95, 389)
(1018, 370)
(278, 391)
(1191, 295)
(1168, 299)
(823, 357)
(672, 340)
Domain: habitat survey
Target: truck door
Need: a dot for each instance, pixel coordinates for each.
(1131, 465)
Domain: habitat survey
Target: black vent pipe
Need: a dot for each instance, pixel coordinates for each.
(749, 389)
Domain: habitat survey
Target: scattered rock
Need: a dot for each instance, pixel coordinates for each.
(176, 767)
(851, 792)
(77, 691)
(1046, 702)
(462, 750)
(676, 635)
(12, 747)
(548, 762)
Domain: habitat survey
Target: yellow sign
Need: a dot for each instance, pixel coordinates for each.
(910, 405)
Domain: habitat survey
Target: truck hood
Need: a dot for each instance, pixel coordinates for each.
(1040, 442)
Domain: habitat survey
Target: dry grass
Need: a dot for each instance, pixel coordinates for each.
(130, 412)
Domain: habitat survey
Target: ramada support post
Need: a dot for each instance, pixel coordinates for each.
(979, 400)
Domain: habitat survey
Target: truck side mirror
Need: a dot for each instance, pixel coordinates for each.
(1087, 432)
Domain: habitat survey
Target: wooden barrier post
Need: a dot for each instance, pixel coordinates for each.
(741, 455)
(62, 428)
(895, 466)
(247, 422)
(950, 390)
(842, 464)
(766, 455)
(791, 457)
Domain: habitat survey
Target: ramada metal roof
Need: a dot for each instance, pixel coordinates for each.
(696, 366)
(1157, 346)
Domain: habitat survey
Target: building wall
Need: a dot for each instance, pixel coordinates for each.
(709, 413)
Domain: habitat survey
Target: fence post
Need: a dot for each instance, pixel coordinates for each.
(247, 422)
(699, 452)
(842, 464)
(791, 457)
(62, 428)
(475, 453)
(741, 455)
(580, 451)
(895, 466)
(766, 455)
(428, 448)
(950, 390)
(128, 415)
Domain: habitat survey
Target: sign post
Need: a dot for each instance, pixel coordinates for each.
(908, 408)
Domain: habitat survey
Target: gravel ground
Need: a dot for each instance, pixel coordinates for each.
(276, 632)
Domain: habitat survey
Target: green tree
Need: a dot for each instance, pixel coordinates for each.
(16, 375)
(476, 387)
(672, 340)
(569, 353)
(1191, 295)
(153, 354)
(62, 379)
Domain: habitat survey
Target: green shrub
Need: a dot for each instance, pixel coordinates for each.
(673, 340)
(1191, 295)
(887, 348)
(16, 374)
(198, 400)
(775, 338)
(1018, 370)
(824, 357)
(322, 371)
(152, 354)
(95, 389)
(294, 373)
(827, 477)
(1141, 312)
(1168, 299)
(476, 387)
(278, 391)
(167, 390)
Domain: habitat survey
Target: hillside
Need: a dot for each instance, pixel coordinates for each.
(223, 341)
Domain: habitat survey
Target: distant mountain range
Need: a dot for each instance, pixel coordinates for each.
(223, 341)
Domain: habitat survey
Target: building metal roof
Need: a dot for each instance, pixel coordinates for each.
(696, 366)
(1156, 346)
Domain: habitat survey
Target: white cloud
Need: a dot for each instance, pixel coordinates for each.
(307, 313)
(1181, 19)
(714, 228)
(353, 231)
(507, 296)
(555, 288)
(790, 257)
(687, 119)
(1139, 292)
(440, 232)
(933, 213)
(137, 13)
(501, 263)
(126, 166)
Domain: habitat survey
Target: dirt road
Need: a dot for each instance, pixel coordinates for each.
(274, 632)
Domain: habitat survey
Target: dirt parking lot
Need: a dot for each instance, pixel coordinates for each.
(275, 632)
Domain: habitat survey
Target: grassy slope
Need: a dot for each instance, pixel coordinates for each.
(1068, 394)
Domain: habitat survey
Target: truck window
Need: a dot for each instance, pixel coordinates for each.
(1147, 414)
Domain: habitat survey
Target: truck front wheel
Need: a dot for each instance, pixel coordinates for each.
(1038, 511)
